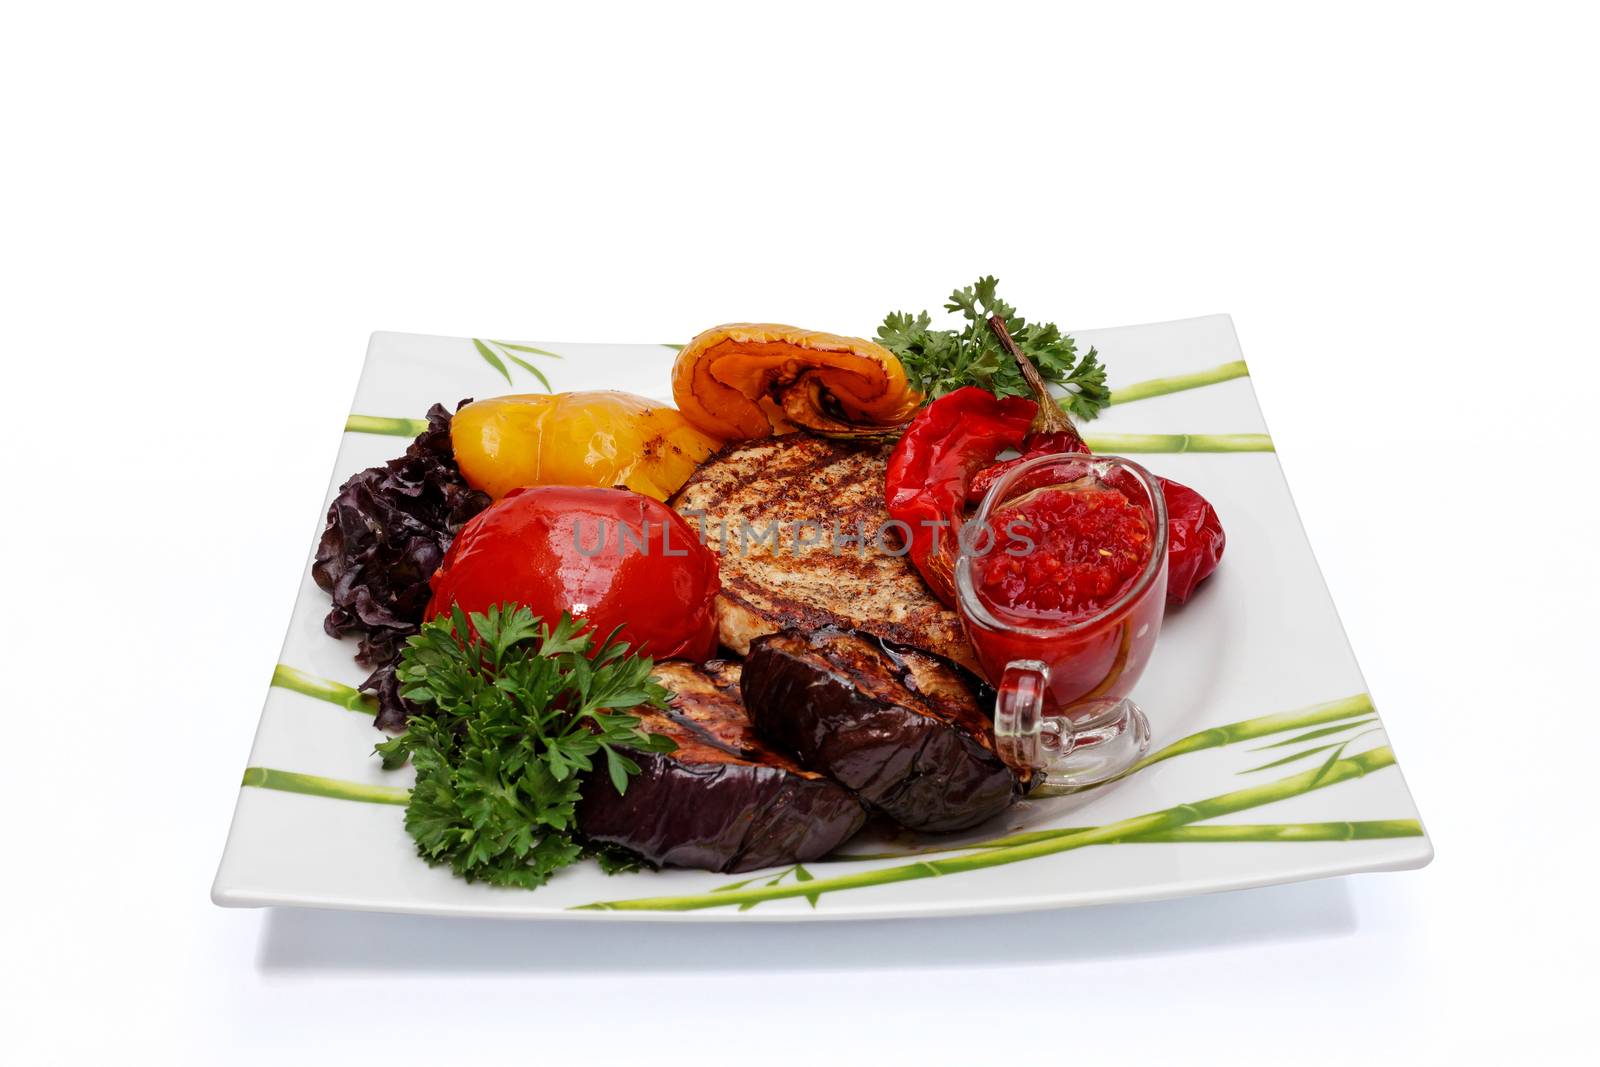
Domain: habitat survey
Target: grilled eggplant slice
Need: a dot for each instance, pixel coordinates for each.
(723, 801)
(900, 727)
(804, 541)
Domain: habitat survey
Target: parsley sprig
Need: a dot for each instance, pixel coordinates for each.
(515, 714)
(940, 361)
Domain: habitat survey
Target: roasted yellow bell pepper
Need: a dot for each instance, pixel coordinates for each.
(600, 438)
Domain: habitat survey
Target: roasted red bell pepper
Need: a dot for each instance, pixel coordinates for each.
(1194, 539)
(948, 442)
(1046, 443)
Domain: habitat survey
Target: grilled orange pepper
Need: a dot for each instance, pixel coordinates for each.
(747, 380)
(603, 438)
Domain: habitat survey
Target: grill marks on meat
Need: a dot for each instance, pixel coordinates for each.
(770, 585)
(724, 800)
(903, 729)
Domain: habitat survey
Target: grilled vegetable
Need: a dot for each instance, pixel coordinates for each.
(744, 380)
(901, 728)
(722, 800)
(1194, 539)
(608, 557)
(950, 440)
(605, 439)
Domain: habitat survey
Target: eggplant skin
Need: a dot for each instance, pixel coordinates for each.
(720, 818)
(900, 727)
(724, 801)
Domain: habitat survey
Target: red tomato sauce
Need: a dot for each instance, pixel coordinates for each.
(1087, 547)
(1067, 599)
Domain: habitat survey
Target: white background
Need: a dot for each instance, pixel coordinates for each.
(206, 210)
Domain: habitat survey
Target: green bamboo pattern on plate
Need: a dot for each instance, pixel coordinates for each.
(1126, 443)
(1163, 821)
(385, 424)
(345, 696)
(318, 786)
(798, 872)
(1363, 830)
(1177, 383)
(1316, 715)
(495, 353)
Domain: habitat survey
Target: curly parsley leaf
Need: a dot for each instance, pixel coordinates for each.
(940, 361)
(516, 715)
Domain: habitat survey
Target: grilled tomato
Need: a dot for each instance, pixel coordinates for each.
(607, 556)
(747, 380)
(599, 438)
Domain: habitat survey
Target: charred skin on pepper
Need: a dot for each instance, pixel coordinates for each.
(931, 468)
(744, 381)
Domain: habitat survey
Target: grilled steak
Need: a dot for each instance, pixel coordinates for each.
(724, 801)
(747, 500)
(901, 728)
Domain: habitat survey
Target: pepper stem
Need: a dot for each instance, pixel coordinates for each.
(1050, 419)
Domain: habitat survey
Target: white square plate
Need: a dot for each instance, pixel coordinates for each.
(1260, 638)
